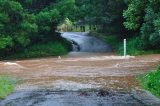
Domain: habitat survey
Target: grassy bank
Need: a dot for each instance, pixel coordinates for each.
(133, 44)
(117, 44)
(6, 86)
(42, 50)
(151, 82)
(132, 48)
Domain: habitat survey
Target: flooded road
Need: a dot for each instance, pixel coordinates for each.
(80, 79)
(83, 42)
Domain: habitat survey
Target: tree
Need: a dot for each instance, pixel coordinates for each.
(15, 26)
(47, 22)
(35, 6)
(143, 16)
(103, 13)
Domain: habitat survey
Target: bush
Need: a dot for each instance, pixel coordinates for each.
(6, 86)
(151, 82)
(43, 50)
(133, 47)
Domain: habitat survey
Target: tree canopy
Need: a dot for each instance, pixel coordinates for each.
(144, 16)
(26, 22)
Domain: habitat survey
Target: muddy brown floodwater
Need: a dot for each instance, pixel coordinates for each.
(80, 79)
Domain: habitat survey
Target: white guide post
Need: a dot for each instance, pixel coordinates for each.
(125, 47)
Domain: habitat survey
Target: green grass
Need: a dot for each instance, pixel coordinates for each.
(6, 86)
(42, 50)
(118, 45)
(133, 49)
(151, 82)
(132, 46)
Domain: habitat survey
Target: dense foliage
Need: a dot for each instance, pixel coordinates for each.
(29, 22)
(24, 23)
(15, 26)
(105, 15)
(143, 16)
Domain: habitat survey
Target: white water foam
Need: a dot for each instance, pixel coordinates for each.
(13, 64)
(99, 58)
(72, 86)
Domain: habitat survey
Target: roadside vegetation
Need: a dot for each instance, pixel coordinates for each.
(151, 82)
(24, 23)
(28, 27)
(133, 46)
(42, 50)
(6, 86)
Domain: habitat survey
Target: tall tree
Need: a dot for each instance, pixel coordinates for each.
(15, 26)
(144, 16)
(107, 14)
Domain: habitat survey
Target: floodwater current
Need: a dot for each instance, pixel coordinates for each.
(80, 79)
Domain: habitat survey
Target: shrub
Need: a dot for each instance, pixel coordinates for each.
(151, 82)
(43, 50)
(133, 47)
(6, 86)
